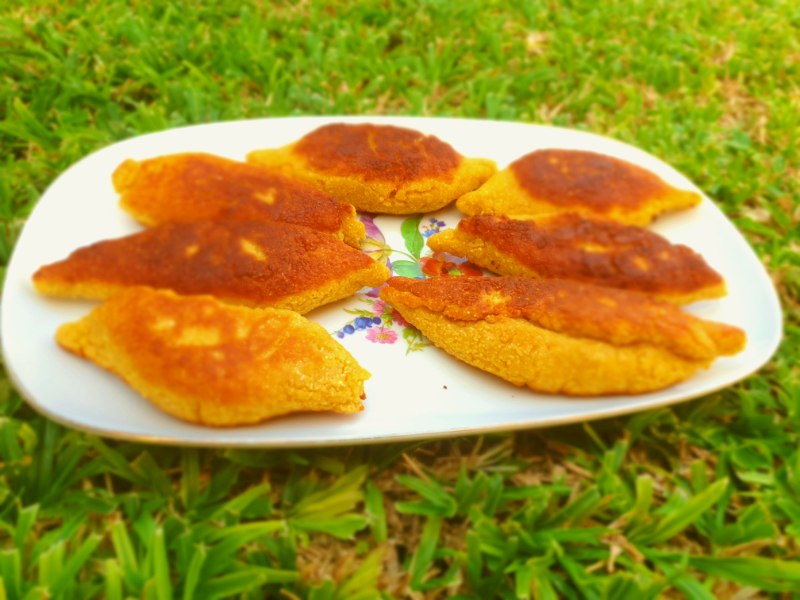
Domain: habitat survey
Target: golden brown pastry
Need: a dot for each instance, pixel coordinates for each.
(561, 336)
(248, 263)
(379, 168)
(214, 364)
(554, 181)
(180, 188)
(587, 249)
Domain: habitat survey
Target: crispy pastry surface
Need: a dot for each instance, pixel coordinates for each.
(554, 181)
(214, 364)
(560, 336)
(179, 188)
(254, 264)
(379, 168)
(582, 248)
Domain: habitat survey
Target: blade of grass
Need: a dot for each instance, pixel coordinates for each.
(373, 501)
(423, 557)
(194, 571)
(163, 584)
(74, 564)
(113, 579)
(675, 522)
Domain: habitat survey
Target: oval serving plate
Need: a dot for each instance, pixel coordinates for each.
(417, 391)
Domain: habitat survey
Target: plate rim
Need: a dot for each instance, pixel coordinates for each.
(359, 441)
(214, 442)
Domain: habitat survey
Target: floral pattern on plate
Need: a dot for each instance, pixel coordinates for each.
(377, 318)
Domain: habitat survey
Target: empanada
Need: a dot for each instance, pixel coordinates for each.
(214, 364)
(554, 181)
(379, 168)
(248, 263)
(581, 248)
(559, 336)
(180, 188)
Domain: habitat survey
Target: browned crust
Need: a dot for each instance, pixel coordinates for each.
(213, 364)
(252, 263)
(577, 178)
(615, 316)
(594, 250)
(546, 361)
(180, 188)
(378, 153)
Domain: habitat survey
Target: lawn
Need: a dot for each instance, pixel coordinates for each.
(699, 501)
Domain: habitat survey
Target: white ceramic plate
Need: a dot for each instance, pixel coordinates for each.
(411, 395)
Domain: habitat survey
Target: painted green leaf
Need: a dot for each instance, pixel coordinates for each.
(414, 241)
(406, 268)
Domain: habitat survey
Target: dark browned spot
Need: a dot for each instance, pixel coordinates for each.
(252, 262)
(475, 298)
(594, 250)
(571, 307)
(579, 178)
(378, 152)
(194, 186)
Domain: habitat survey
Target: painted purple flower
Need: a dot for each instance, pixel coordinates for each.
(370, 227)
(375, 245)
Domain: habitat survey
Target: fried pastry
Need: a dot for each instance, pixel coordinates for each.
(554, 181)
(560, 336)
(214, 364)
(180, 188)
(379, 168)
(587, 249)
(247, 263)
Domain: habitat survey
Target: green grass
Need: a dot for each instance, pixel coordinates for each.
(698, 501)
